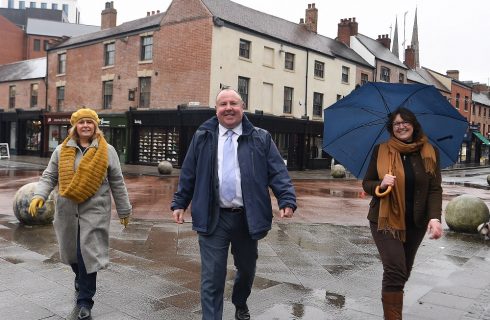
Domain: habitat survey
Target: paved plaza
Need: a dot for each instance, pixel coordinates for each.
(322, 264)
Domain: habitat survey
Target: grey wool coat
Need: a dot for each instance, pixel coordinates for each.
(93, 215)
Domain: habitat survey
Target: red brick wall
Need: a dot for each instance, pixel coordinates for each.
(30, 53)
(12, 47)
(23, 94)
(463, 91)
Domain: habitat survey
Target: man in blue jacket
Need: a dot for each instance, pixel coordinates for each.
(226, 173)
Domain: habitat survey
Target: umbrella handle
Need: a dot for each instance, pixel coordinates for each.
(382, 194)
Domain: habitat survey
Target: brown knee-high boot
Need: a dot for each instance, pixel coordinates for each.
(392, 305)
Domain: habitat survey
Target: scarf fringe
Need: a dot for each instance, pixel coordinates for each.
(385, 228)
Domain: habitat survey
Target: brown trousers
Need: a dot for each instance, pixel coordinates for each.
(397, 257)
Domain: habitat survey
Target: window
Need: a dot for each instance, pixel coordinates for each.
(479, 111)
(54, 6)
(457, 100)
(22, 4)
(364, 78)
(65, 9)
(37, 45)
(146, 48)
(109, 54)
(34, 94)
(32, 4)
(385, 74)
(244, 51)
(107, 94)
(145, 91)
(474, 109)
(11, 4)
(45, 45)
(317, 104)
(289, 61)
(268, 57)
(401, 78)
(288, 99)
(466, 103)
(345, 74)
(61, 63)
(319, 69)
(11, 97)
(60, 98)
(44, 5)
(243, 90)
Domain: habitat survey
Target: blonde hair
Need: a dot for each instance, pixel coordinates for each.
(73, 134)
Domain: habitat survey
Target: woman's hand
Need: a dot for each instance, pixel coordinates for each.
(434, 229)
(387, 181)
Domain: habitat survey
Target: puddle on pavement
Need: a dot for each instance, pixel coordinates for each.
(335, 300)
(348, 194)
(338, 269)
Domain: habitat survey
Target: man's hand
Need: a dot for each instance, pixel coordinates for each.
(124, 221)
(286, 212)
(434, 229)
(178, 215)
(35, 204)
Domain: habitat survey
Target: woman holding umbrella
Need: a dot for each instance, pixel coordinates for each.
(86, 169)
(404, 179)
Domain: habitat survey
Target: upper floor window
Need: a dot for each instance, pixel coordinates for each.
(364, 78)
(268, 57)
(466, 103)
(345, 74)
(243, 84)
(385, 74)
(479, 111)
(319, 69)
(45, 45)
(61, 63)
(109, 54)
(11, 97)
(11, 4)
(107, 94)
(44, 5)
(32, 4)
(244, 51)
(473, 109)
(22, 4)
(288, 100)
(60, 98)
(457, 100)
(37, 45)
(65, 9)
(34, 94)
(145, 92)
(401, 78)
(317, 104)
(146, 48)
(289, 61)
(54, 6)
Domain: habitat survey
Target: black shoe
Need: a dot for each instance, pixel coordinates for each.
(77, 287)
(242, 313)
(84, 313)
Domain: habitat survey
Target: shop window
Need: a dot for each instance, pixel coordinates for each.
(145, 92)
(33, 135)
(107, 94)
(57, 133)
(288, 100)
(146, 48)
(243, 84)
(34, 94)
(158, 144)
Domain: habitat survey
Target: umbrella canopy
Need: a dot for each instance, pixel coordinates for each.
(356, 123)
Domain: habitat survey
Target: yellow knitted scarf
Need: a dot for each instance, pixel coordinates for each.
(83, 183)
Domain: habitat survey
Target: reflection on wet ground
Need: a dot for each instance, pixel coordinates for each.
(322, 264)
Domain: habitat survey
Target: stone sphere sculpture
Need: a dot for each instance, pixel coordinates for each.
(465, 213)
(22, 199)
(338, 171)
(165, 167)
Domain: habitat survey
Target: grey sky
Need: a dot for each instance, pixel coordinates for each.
(452, 34)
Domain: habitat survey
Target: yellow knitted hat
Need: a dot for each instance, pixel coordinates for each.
(86, 113)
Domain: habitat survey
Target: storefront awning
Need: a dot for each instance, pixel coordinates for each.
(482, 138)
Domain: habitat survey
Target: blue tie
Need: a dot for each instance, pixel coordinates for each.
(228, 185)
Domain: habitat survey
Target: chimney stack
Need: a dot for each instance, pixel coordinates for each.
(385, 40)
(346, 29)
(311, 18)
(410, 57)
(453, 74)
(108, 16)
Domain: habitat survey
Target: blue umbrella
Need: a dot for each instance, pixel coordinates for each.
(356, 123)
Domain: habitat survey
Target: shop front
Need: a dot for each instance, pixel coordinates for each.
(22, 131)
(56, 127)
(115, 129)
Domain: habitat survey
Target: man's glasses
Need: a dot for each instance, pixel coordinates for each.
(401, 124)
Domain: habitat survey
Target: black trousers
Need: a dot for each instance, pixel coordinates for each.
(397, 256)
(86, 282)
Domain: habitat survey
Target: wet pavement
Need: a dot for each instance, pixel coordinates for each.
(322, 264)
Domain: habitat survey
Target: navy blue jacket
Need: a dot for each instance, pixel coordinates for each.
(261, 167)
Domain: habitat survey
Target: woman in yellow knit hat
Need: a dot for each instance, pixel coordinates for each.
(86, 169)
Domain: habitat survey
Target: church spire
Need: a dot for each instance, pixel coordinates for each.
(394, 48)
(415, 40)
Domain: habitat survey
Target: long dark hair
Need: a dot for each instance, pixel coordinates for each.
(406, 115)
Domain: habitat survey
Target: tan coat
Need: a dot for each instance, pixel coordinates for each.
(93, 215)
